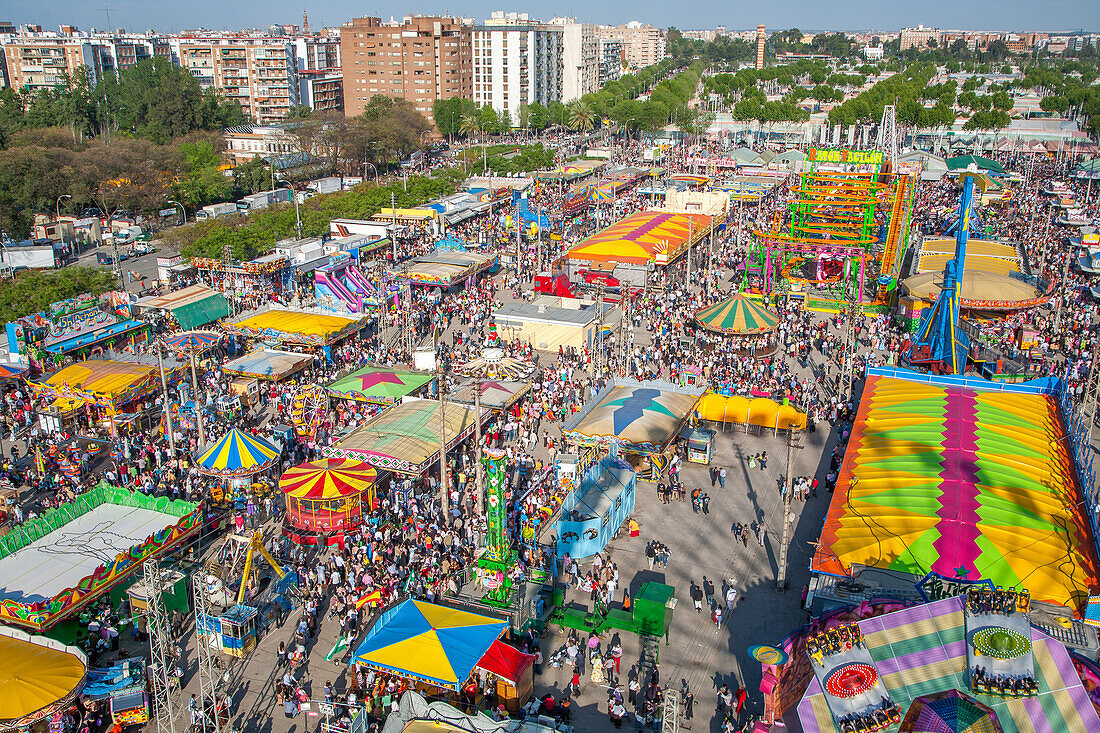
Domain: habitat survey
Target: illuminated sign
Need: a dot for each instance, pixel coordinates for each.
(854, 157)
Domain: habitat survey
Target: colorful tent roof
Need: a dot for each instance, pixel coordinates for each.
(737, 314)
(962, 161)
(751, 411)
(641, 416)
(328, 478)
(506, 661)
(964, 482)
(192, 342)
(405, 438)
(494, 364)
(952, 711)
(268, 364)
(921, 651)
(379, 385)
(645, 236)
(493, 394)
(8, 371)
(237, 454)
(295, 327)
(429, 642)
(36, 679)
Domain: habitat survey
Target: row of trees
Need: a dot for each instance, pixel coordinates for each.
(33, 291)
(256, 234)
(153, 100)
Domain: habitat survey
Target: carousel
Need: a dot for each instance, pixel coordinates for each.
(743, 318)
(494, 364)
(235, 459)
(326, 499)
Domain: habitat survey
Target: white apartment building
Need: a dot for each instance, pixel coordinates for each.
(517, 62)
(611, 59)
(580, 59)
(317, 53)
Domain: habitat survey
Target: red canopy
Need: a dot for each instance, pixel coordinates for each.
(506, 661)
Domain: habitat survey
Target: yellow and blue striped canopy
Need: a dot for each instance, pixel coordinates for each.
(237, 454)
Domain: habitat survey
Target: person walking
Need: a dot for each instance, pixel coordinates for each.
(650, 554)
(731, 599)
(761, 533)
(763, 461)
(721, 477)
(697, 597)
(708, 590)
(717, 618)
(713, 475)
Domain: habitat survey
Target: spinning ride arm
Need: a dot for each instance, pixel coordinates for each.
(939, 343)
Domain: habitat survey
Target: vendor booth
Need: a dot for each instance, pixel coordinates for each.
(640, 417)
(594, 511)
(379, 385)
(513, 671)
(268, 364)
(301, 329)
(325, 499)
(432, 644)
(39, 678)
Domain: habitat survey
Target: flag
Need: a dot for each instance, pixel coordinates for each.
(375, 596)
(38, 462)
(341, 644)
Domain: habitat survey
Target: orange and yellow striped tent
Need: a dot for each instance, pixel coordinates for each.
(646, 236)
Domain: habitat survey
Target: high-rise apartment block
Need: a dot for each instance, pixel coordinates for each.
(422, 59)
(581, 59)
(611, 60)
(517, 62)
(259, 73)
(643, 45)
(761, 42)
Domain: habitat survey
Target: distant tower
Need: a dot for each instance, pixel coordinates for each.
(760, 46)
(305, 21)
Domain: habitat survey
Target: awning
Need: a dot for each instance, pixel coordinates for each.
(506, 661)
(88, 339)
(201, 312)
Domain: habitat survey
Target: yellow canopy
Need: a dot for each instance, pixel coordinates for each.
(34, 677)
(310, 324)
(758, 411)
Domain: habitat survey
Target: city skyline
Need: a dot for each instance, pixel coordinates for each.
(850, 15)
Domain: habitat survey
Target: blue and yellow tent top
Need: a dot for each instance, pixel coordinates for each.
(428, 642)
(237, 454)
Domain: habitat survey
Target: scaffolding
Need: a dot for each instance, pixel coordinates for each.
(159, 646)
(210, 721)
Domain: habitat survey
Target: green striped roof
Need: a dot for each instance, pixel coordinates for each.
(737, 314)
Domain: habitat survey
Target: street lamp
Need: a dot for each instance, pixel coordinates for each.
(177, 203)
(57, 210)
(297, 216)
(374, 168)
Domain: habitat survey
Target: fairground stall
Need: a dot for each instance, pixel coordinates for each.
(296, 329)
(271, 365)
(444, 269)
(406, 438)
(326, 499)
(191, 307)
(104, 389)
(40, 680)
(744, 319)
(434, 647)
(962, 478)
(234, 459)
(79, 327)
(640, 242)
(69, 557)
(264, 276)
(379, 385)
(593, 513)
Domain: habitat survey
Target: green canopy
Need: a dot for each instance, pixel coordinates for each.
(201, 312)
(379, 385)
(960, 162)
(737, 314)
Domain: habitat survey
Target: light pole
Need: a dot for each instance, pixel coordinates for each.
(57, 210)
(177, 203)
(373, 168)
(297, 216)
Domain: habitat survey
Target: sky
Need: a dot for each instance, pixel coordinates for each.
(171, 16)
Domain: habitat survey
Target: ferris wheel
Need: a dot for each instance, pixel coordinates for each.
(308, 409)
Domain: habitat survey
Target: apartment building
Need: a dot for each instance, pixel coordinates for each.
(321, 89)
(580, 59)
(245, 142)
(643, 45)
(422, 59)
(259, 73)
(611, 60)
(516, 62)
(919, 37)
(317, 52)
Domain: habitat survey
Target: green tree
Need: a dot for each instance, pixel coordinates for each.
(200, 181)
(252, 176)
(34, 291)
(448, 114)
(582, 117)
